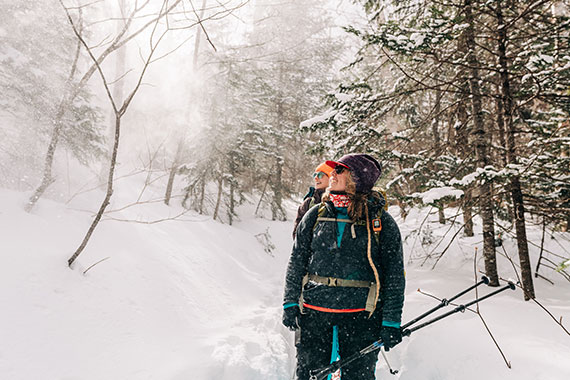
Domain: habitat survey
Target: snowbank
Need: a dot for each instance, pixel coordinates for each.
(197, 299)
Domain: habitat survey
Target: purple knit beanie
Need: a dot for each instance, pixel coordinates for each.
(364, 169)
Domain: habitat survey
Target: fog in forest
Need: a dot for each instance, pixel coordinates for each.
(201, 79)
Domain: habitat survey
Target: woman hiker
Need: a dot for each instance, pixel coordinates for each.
(321, 177)
(345, 278)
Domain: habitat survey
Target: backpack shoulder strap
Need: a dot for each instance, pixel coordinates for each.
(320, 214)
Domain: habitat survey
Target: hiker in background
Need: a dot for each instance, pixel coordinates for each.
(344, 249)
(321, 177)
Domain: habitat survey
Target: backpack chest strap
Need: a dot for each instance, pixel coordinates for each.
(325, 219)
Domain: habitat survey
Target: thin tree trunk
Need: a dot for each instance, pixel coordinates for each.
(541, 246)
(73, 91)
(462, 149)
(481, 140)
(119, 84)
(107, 195)
(177, 158)
(501, 125)
(219, 198)
(170, 184)
(440, 213)
(233, 173)
(438, 148)
(173, 171)
(263, 191)
(277, 212)
(202, 193)
(467, 213)
(512, 159)
(47, 178)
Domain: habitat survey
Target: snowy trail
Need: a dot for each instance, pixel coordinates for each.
(202, 300)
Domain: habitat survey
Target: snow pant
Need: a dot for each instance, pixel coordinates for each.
(355, 331)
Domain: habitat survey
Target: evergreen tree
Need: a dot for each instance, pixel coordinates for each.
(477, 89)
(39, 57)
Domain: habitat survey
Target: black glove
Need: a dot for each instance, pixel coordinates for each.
(390, 336)
(291, 317)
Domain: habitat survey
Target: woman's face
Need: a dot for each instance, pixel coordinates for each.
(338, 180)
(321, 180)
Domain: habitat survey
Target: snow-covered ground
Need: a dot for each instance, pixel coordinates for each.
(198, 299)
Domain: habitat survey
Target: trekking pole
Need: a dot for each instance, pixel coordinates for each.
(322, 373)
(392, 371)
(445, 302)
(460, 308)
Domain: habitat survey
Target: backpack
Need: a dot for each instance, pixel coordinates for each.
(376, 223)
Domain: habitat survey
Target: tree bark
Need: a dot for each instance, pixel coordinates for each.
(119, 84)
(277, 212)
(438, 148)
(232, 202)
(202, 193)
(107, 198)
(462, 148)
(173, 171)
(462, 140)
(47, 178)
(467, 213)
(512, 159)
(219, 197)
(482, 141)
(170, 184)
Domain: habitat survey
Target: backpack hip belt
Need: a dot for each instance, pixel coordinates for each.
(341, 282)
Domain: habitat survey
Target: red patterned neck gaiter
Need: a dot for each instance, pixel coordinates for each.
(340, 200)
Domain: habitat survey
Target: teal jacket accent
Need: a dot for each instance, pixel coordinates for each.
(342, 213)
(391, 324)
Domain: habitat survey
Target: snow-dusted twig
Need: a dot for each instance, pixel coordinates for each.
(138, 203)
(452, 239)
(91, 266)
(480, 316)
(449, 244)
(507, 362)
(82, 190)
(419, 230)
(559, 323)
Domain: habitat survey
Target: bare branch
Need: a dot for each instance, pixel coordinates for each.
(100, 261)
(559, 323)
(507, 362)
(80, 38)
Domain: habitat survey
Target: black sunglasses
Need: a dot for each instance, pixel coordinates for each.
(339, 169)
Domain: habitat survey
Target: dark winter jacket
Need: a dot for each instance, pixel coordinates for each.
(311, 199)
(316, 251)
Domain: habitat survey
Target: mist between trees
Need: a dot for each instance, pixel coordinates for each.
(237, 100)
